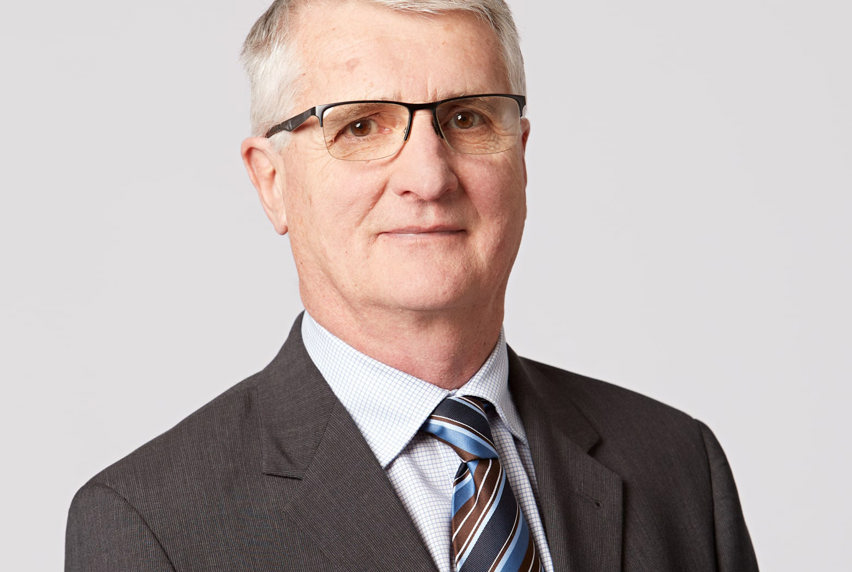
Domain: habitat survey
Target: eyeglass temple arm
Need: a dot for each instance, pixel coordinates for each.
(291, 124)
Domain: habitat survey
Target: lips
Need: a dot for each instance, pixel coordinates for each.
(426, 230)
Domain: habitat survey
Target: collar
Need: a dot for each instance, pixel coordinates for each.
(388, 405)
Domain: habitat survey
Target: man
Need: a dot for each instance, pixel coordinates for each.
(389, 144)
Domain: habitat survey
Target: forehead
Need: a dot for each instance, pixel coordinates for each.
(359, 50)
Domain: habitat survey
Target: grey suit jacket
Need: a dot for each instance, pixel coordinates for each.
(274, 475)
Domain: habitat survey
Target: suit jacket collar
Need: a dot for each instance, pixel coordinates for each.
(580, 500)
(323, 474)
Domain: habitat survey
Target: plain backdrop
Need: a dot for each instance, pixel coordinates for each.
(690, 199)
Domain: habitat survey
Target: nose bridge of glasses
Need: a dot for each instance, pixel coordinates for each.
(432, 108)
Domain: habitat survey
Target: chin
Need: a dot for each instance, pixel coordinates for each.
(430, 296)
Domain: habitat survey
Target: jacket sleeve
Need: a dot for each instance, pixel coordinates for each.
(734, 551)
(105, 533)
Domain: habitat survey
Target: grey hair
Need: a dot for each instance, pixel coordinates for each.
(271, 61)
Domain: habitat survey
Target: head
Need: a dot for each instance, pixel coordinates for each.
(427, 230)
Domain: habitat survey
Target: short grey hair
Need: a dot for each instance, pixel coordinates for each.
(271, 61)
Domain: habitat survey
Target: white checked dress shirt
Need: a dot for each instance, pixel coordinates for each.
(389, 407)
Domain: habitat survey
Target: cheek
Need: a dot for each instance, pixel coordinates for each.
(330, 206)
(306, 186)
(499, 196)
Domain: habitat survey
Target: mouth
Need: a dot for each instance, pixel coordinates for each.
(425, 231)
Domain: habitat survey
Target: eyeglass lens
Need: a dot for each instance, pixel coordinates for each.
(374, 130)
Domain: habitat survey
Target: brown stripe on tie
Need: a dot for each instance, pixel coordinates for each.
(467, 428)
(466, 524)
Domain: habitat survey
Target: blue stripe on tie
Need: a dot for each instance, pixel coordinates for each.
(461, 438)
(463, 432)
(463, 491)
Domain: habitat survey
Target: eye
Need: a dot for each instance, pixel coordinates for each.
(360, 128)
(465, 119)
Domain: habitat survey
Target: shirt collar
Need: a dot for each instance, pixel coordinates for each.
(388, 405)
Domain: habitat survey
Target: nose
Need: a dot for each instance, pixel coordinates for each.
(422, 168)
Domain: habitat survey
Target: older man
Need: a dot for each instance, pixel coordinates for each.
(395, 430)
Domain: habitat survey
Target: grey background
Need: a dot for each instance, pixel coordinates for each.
(688, 237)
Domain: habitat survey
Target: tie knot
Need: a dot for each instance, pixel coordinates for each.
(461, 423)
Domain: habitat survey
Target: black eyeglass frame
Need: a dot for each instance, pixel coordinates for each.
(317, 111)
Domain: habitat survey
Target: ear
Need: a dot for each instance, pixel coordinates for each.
(266, 171)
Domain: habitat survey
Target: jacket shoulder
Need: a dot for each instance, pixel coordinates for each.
(610, 404)
(217, 438)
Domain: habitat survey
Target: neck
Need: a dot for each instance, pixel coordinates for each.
(442, 348)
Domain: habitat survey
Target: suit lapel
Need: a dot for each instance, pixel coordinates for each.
(580, 500)
(329, 484)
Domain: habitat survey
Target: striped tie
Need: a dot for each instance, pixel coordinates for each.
(489, 529)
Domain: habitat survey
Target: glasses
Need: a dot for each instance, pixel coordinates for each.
(374, 129)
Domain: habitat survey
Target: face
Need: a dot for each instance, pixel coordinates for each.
(428, 229)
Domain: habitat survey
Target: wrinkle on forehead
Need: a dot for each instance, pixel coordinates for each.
(417, 62)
